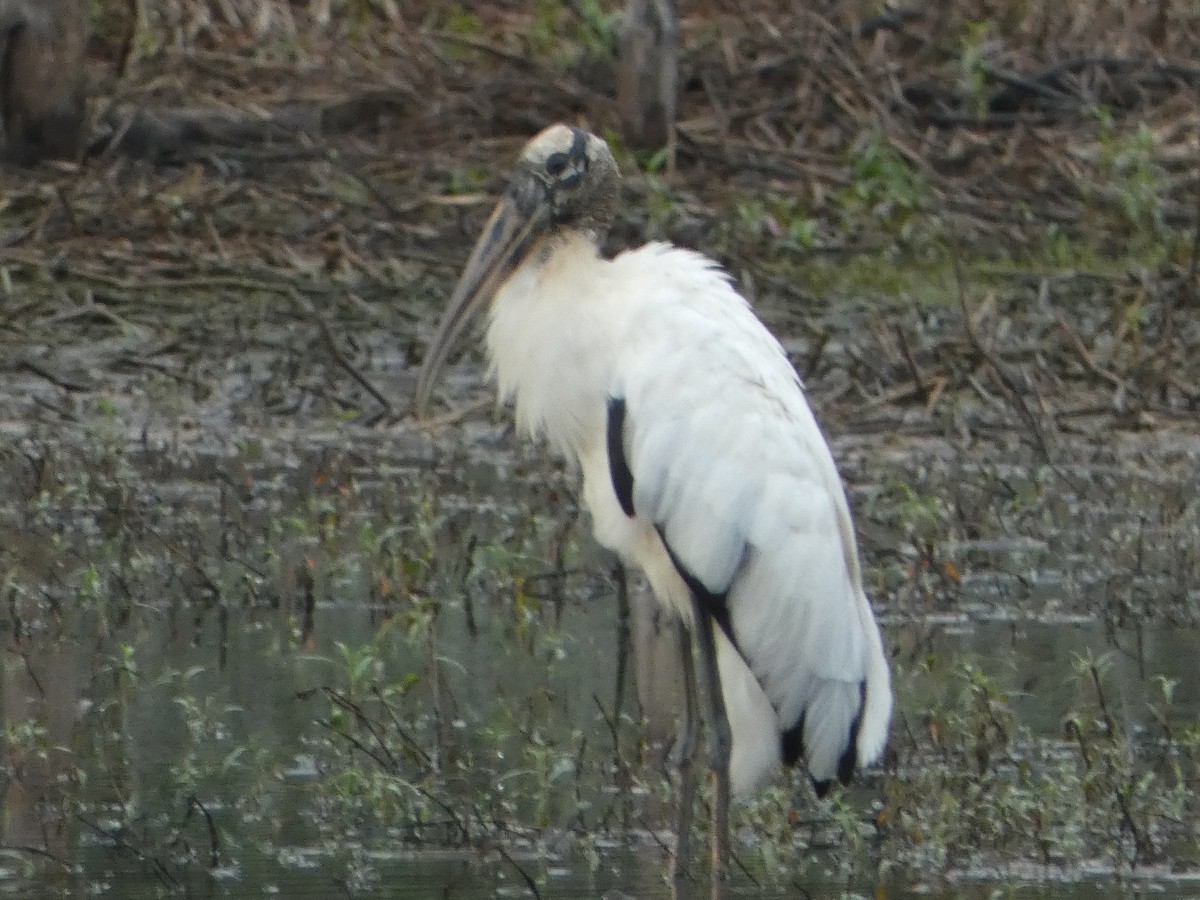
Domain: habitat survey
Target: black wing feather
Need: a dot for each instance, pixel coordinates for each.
(618, 465)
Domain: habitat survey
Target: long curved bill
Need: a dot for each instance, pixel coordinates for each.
(515, 224)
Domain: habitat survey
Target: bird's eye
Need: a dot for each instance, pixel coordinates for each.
(556, 164)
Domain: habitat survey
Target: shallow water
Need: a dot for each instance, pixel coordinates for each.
(242, 661)
(384, 664)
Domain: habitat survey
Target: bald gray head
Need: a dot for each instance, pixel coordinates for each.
(565, 180)
(573, 174)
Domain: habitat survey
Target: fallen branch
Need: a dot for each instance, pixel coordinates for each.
(332, 348)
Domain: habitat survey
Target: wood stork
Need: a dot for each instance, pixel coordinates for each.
(702, 465)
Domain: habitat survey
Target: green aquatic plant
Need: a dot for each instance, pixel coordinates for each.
(886, 184)
(1129, 171)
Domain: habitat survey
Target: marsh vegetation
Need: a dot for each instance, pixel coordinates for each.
(262, 633)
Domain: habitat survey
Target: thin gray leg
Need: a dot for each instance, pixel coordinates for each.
(719, 743)
(685, 759)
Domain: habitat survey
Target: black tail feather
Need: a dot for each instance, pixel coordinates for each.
(792, 747)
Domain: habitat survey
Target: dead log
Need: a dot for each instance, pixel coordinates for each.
(164, 135)
(648, 71)
(43, 88)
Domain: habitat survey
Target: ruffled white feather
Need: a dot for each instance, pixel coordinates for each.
(727, 461)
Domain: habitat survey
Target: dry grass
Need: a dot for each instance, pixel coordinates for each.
(1022, 130)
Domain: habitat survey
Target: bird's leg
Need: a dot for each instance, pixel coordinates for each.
(623, 645)
(685, 753)
(719, 744)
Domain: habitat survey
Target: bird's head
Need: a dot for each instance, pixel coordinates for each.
(565, 179)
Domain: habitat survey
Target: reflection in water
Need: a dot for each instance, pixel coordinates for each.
(244, 661)
(659, 673)
(43, 681)
(1035, 662)
(369, 693)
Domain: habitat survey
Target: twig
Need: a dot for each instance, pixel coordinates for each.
(913, 369)
(549, 78)
(1090, 364)
(529, 882)
(890, 20)
(166, 286)
(341, 700)
(214, 841)
(35, 851)
(349, 738)
(455, 415)
(1142, 847)
(332, 348)
(1015, 81)
(62, 381)
(1194, 264)
(609, 721)
(1044, 79)
(161, 872)
(407, 738)
(1002, 375)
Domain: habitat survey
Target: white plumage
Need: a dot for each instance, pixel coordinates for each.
(702, 463)
(726, 458)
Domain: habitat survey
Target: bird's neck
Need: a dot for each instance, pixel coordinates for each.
(548, 338)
